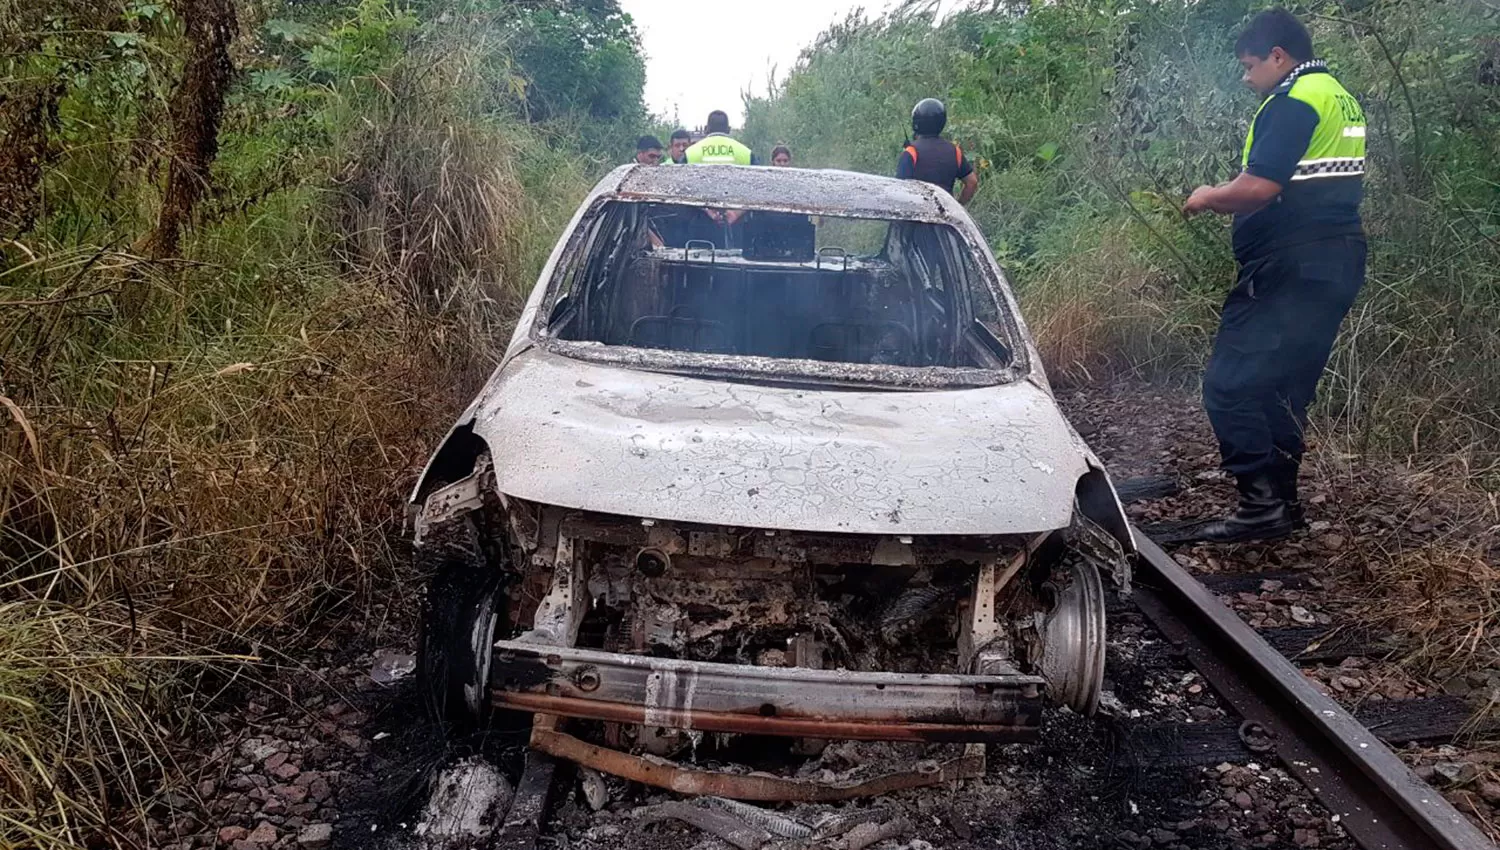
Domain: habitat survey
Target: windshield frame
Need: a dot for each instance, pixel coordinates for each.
(991, 284)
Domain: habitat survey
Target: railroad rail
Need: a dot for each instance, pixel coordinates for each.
(1377, 798)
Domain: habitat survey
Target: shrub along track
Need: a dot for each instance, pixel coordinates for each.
(1167, 763)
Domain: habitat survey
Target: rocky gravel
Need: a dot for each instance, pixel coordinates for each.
(274, 783)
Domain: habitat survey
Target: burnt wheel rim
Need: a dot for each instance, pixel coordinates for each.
(1073, 639)
(481, 644)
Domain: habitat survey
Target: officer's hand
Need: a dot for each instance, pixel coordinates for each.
(1198, 201)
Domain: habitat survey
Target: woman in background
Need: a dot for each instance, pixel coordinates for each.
(781, 156)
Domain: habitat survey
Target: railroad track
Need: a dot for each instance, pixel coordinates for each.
(1345, 764)
(1377, 798)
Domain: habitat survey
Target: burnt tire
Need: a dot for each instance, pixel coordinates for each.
(463, 608)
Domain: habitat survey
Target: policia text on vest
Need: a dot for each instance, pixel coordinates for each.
(1300, 247)
(719, 149)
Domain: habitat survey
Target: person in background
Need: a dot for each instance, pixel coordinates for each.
(932, 158)
(1300, 245)
(718, 147)
(648, 150)
(781, 156)
(677, 146)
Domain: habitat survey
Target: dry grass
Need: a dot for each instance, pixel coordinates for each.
(1423, 562)
(219, 473)
(209, 480)
(434, 210)
(1449, 595)
(1102, 311)
(91, 700)
(204, 458)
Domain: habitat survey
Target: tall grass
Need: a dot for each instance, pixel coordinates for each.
(204, 457)
(92, 698)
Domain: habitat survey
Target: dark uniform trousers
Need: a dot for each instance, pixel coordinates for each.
(1275, 335)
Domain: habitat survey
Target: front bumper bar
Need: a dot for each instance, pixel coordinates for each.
(785, 701)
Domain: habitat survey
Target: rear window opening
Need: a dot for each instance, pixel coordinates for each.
(756, 283)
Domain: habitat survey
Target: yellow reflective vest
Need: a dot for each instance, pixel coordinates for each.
(1337, 148)
(719, 149)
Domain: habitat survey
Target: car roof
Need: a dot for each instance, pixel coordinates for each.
(824, 191)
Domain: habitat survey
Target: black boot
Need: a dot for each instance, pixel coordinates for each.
(1262, 513)
(1284, 474)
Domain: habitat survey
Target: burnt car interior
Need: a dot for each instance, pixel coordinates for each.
(775, 284)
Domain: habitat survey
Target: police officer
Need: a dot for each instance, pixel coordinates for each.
(931, 157)
(718, 147)
(1301, 253)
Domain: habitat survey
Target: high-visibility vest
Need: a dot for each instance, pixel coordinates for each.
(1337, 148)
(718, 149)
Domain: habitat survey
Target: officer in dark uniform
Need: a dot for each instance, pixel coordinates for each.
(1301, 253)
(931, 157)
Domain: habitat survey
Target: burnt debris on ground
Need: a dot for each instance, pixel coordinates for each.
(1136, 776)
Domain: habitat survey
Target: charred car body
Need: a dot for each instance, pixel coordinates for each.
(770, 453)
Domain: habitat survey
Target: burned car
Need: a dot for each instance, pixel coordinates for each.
(770, 453)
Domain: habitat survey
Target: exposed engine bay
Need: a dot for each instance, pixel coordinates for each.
(652, 635)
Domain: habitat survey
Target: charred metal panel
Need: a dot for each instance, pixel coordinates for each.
(689, 695)
(993, 460)
(1099, 503)
(560, 612)
(826, 191)
(446, 503)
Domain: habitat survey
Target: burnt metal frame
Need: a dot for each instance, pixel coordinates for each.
(752, 786)
(788, 701)
(1377, 798)
(992, 285)
(964, 708)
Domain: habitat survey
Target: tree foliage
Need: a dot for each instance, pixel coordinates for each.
(579, 56)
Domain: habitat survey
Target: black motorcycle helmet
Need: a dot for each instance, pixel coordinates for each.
(929, 117)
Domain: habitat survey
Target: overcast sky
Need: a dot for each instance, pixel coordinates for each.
(697, 62)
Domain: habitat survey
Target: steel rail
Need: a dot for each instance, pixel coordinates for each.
(1374, 795)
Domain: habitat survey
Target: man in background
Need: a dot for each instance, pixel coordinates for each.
(648, 150)
(718, 147)
(932, 158)
(677, 146)
(1300, 246)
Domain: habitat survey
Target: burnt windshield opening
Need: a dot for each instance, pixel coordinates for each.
(781, 285)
